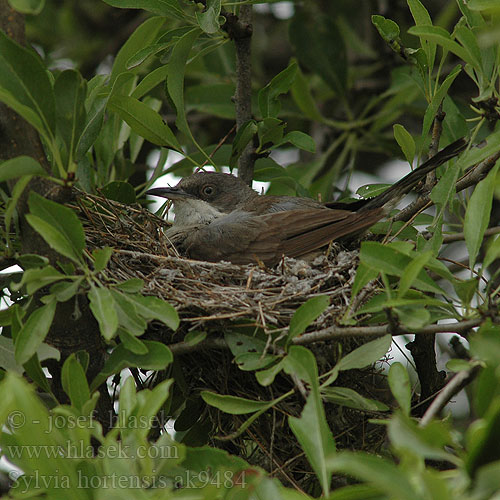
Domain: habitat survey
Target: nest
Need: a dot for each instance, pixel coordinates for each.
(207, 292)
(220, 297)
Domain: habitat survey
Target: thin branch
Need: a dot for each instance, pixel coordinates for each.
(451, 238)
(454, 386)
(336, 332)
(471, 178)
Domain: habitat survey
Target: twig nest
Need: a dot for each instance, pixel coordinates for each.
(205, 292)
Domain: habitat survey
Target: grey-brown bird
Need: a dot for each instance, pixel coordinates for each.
(218, 217)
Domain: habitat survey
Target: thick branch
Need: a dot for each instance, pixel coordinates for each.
(74, 327)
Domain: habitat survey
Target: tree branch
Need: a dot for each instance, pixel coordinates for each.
(471, 178)
(454, 386)
(239, 28)
(337, 332)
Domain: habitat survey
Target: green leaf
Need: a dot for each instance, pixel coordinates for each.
(232, 404)
(195, 337)
(32, 260)
(303, 98)
(32, 7)
(175, 77)
(469, 41)
(74, 382)
(166, 8)
(300, 140)
(306, 314)
(102, 306)
(387, 28)
(143, 36)
(445, 189)
(36, 278)
(412, 271)
(58, 225)
(101, 258)
(70, 90)
(92, 128)
(477, 215)
(364, 275)
(19, 166)
(270, 132)
(422, 18)
(158, 357)
(154, 308)
(133, 285)
(399, 382)
(25, 86)
(131, 342)
(144, 121)
(347, 397)
(389, 260)
(128, 317)
(311, 429)
(150, 81)
(268, 96)
(437, 99)
(466, 290)
(119, 191)
(377, 471)
(144, 53)
(64, 290)
(442, 37)
(320, 47)
(426, 442)
(362, 356)
(405, 141)
(492, 252)
(209, 18)
(366, 354)
(33, 332)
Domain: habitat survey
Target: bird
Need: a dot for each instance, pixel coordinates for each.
(218, 217)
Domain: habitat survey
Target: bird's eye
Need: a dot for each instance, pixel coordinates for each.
(207, 190)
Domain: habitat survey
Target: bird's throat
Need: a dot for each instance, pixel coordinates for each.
(192, 211)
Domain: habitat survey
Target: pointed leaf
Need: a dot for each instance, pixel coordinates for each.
(62, 229)
(405, 141)
(477, 215)
(74, 382)
(33, 332)
(232, 404)
(102, 306)
(144, 121)
(399, 382)
(175, 77)
(19, 166)
(70, 90)
(24, 83)
(306, 314)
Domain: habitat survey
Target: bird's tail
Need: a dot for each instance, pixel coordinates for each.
(404, 185)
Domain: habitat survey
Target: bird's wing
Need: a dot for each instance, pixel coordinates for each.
(244, 238)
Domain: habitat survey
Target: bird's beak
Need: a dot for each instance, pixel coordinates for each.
(172, 193)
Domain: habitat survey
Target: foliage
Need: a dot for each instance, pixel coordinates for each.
(172, 73)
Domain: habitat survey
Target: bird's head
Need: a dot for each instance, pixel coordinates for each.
(204, 196)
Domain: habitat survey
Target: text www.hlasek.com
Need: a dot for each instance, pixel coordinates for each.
(84, 450)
